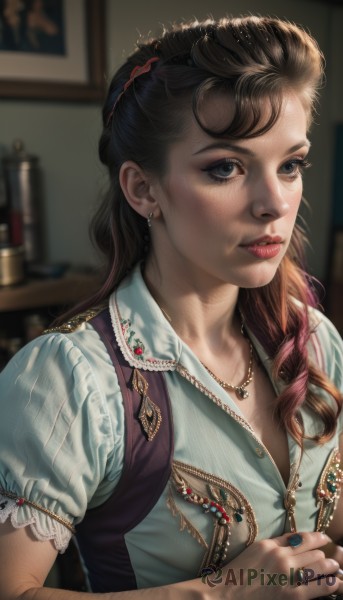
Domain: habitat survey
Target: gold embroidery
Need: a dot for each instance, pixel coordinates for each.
(184, 522)
(290, 497)
(21, 501)
(329, 490)
(221, 500)
(290, 500)
(75, 322)
(149, 413)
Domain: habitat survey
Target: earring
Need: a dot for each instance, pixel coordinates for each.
(149, 217)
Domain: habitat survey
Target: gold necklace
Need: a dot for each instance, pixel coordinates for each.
(241, 391)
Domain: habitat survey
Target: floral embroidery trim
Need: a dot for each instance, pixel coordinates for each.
(329, 490)
(20, 501)
(131, 346)
(222, 501)
(135, 344)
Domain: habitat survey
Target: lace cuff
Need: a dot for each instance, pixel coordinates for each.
(45, 525)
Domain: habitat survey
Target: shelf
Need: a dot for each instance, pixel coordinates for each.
(48, 292)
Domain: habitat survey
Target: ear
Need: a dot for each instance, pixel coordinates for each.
(136, 186)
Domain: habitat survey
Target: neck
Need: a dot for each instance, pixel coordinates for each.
(204, 316)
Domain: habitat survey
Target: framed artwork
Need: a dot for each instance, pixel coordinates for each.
(52, 49)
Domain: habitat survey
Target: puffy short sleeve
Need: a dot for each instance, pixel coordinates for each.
(60, 446)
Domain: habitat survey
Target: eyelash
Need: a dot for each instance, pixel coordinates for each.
(223, 163)
(299, 163)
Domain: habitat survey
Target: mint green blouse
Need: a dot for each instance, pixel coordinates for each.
(62, 439)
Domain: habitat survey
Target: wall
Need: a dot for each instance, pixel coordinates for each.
(65, 136)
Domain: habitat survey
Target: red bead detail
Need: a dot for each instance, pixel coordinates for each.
(138, 350)
(188, 490)
(221, 509)
(206, 500)
(227, 518)
(20, 501)
(213, 503)
(322, 494)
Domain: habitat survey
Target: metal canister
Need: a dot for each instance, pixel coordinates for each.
(23, 190)
(11, 265)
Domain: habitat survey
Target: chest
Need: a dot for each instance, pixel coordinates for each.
(259, 411)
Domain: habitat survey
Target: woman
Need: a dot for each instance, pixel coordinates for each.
(232, 447)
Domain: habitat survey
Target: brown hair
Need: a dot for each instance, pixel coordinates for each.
(255, 60)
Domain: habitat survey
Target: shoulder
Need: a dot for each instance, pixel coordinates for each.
(53, 351)
(59, 370)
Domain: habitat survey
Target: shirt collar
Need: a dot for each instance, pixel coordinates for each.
(145, 336)
(148, 341)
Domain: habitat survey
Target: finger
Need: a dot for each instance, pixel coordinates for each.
(310, 557)
(336, 552)
(318, 587)
(322, 569)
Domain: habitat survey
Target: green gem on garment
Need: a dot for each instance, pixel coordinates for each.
(238, 517)
(223, 494)
(331, 477)
(332, 488)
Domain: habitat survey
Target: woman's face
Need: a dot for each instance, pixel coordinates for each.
(227, 208)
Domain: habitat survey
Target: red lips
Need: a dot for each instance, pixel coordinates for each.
(265, 247)
(269, 239)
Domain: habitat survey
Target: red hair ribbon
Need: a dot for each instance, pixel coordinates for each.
(136, 72)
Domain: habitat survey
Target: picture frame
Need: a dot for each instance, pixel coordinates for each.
(79, 77)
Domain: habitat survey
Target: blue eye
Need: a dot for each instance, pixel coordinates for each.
(222, 171)
(295, 167)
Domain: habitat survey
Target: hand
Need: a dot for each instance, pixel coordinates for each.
(335, 551)
(269, 569)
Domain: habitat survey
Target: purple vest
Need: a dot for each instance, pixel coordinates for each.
(146, 470)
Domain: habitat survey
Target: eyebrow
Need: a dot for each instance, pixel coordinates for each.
(246, 151)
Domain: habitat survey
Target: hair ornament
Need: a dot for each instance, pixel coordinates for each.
(136, 72)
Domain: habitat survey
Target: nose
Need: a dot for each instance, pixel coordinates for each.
(271, 199)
